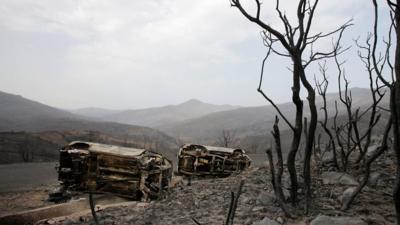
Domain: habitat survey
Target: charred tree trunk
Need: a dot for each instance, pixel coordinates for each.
(339, 141)
(234, 202)
(396, 143)
(310, 136)
(395, 108)
(278, 150)
(309, 141)
(394, 87)
(277, 177)
(291, 158)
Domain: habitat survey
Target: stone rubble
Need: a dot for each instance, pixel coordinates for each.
(207, 201)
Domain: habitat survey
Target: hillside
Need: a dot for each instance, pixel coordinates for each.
(18, 110)
(16, 147)
(247, 120)
(19, 114)
(157, 116)
(24, 147)
(254, 121)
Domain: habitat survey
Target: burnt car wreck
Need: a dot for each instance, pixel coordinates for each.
(200, 160)
(126, 172)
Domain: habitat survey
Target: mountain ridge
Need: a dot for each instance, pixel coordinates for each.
(256, 120)
(18, 114)
(157, 117)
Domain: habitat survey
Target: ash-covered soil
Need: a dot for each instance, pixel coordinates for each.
(208, 200)
(17, 201)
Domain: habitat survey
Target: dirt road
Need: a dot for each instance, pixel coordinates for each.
(24, 176)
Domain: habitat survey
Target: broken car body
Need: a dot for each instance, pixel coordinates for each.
(209, 160)
(127, 172)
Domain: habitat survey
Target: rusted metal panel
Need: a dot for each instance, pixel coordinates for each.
(127, 172)
(210, 160)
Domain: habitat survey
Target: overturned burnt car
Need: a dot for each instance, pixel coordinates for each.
(201, 160)
(127, 172)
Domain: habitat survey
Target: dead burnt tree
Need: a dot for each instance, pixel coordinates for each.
(296, 40)
(26, 153)
(395, 107)
(26, 150)
(347, 100)
(227, 138)
(375, 90)
(394, 91)
(348, 135)
(344, 133)
(234, 202)
(322, 87)
(393, 84)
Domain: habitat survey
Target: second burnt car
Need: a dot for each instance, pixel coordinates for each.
(202, 160)
(126, 172)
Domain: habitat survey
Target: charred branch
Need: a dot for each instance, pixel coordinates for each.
(259, 89)
(322, 88)
(367, 165)
(227, 138)
(234, 202)
(276, 177)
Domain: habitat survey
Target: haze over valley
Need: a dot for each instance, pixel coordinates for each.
(45, 129)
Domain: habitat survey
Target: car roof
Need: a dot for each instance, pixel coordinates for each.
(218, 149)
(108, 149)
(222, 149)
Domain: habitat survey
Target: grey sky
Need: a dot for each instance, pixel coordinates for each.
(136, 54)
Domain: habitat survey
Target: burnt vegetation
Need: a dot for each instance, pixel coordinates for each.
(297, 41)
(350, 145)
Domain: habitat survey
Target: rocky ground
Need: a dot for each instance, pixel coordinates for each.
(207, 201)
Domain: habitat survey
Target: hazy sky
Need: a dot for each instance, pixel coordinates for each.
(136, 54)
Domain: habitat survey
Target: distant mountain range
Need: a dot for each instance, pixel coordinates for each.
(16, 111)
(158, 128)
(158, 116)
(250, 121)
